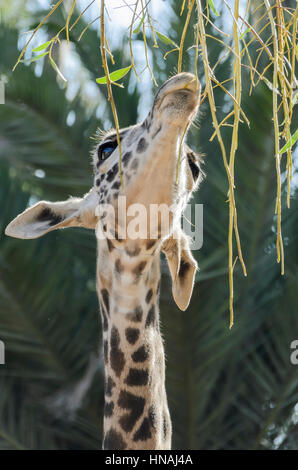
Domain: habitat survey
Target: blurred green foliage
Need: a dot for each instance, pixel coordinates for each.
(227, 389)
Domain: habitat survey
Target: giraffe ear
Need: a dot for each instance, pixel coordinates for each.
(45, 216)
(182, 267)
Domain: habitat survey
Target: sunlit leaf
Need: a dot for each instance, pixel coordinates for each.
(165, 39)
(295, 98)
(42, 46)
(245, 32)
(114, 76)
(55, 67)
(36, 57)
(270, 85)
(211, 4)
(137, 30)
(290, 142)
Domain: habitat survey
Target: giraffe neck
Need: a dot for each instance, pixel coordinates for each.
(136, 414)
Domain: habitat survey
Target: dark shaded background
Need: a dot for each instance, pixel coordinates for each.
(227, 389)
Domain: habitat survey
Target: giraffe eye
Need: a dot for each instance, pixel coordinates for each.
(106, 150)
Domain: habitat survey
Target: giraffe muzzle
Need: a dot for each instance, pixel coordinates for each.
(180, 93)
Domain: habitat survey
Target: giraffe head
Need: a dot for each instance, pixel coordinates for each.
(150, 150)
(158, 168)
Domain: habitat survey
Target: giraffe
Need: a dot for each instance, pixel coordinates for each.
(136, 414)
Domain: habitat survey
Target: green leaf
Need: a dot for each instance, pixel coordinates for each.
(36, 57)
(114, 76)
(270, 85)
(42, 46)
(244, 33)
(295, 97)
(165, 39)
(290, 142)
(55, 67)
(211, 4)
(137, 30)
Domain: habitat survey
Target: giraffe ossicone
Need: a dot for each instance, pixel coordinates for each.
(136, 414)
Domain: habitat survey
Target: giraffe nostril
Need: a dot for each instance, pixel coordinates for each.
(183, 81)
(180, 103)
(180, 92)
